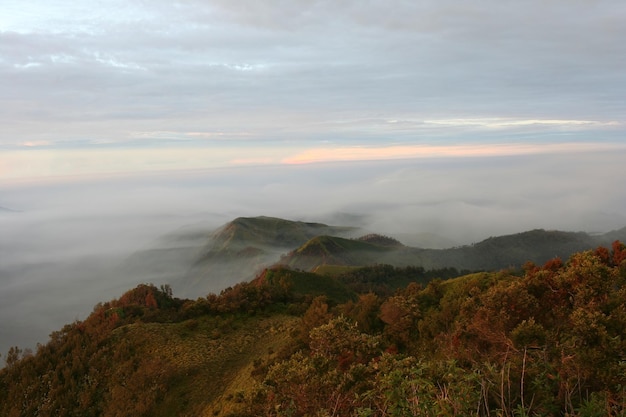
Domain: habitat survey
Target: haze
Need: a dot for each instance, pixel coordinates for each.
(129, 126)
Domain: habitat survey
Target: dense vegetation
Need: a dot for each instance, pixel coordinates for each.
(382, 341)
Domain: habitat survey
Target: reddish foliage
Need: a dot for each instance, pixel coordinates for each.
(603, 254)
(151, 301)
(619, 252)
(553, 264)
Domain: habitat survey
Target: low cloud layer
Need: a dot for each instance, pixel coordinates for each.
(64, 245)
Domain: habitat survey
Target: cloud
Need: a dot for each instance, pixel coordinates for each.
(501, 123)
(93, 72)
(33, 144)
(431, 151)
(38, 160)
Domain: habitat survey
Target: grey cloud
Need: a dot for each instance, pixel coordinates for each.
(258, 64)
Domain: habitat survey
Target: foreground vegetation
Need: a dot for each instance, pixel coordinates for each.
(379, 341)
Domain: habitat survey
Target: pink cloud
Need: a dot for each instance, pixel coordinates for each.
(36, 143)
(432, 151)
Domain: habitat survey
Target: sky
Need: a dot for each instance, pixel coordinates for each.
(125, 121)
(96, 87)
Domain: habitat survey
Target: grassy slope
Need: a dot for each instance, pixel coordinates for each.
(242, 247)
(213, 358)
(259, 232)
(332, 250)
(334, 270)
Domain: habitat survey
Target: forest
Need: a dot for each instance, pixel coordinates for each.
(543, 340)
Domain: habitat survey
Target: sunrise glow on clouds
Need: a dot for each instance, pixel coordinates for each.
(46, 163)
(433, 151)
(197, 150)
(94, 88)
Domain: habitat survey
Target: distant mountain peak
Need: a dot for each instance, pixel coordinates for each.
(274, 231)
(380, 240)
(244, 246)
(333, 250)
(241, 247)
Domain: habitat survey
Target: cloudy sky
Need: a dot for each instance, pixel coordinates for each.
(120, 86)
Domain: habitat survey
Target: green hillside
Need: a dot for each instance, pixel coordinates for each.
(243, 247)
(332, 250)
(376, 341)
(301, 284)
(494, 253)
(260, 232)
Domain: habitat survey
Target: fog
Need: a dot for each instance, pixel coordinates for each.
(68, 244)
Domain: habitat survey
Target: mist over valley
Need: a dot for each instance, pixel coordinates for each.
(67, 245)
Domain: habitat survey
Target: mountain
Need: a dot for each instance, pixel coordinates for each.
(332, 250)
(243, 247)
(425, 240)
(610, 237)
(240, 249)
(514, 250)
(262, 233)
(494, 253)
(198, 262)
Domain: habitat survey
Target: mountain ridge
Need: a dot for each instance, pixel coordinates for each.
(241, 248)
(493, 253)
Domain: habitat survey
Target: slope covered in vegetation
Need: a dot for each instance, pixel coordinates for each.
(241, 248)
(268, 231)
(383, 341)
(331, 250)
(494, 253)
(549, 342)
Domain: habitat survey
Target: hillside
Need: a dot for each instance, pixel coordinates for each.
(243, 247)
(263, 231)
(606, 238)
(494, 253)
(300, 344)
(331, 250)
(196, 263)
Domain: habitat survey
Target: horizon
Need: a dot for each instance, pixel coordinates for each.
(130, 87)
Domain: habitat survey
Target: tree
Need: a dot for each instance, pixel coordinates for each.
(401, 314)
(364, 312)
(13, 356)
(316, 315)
